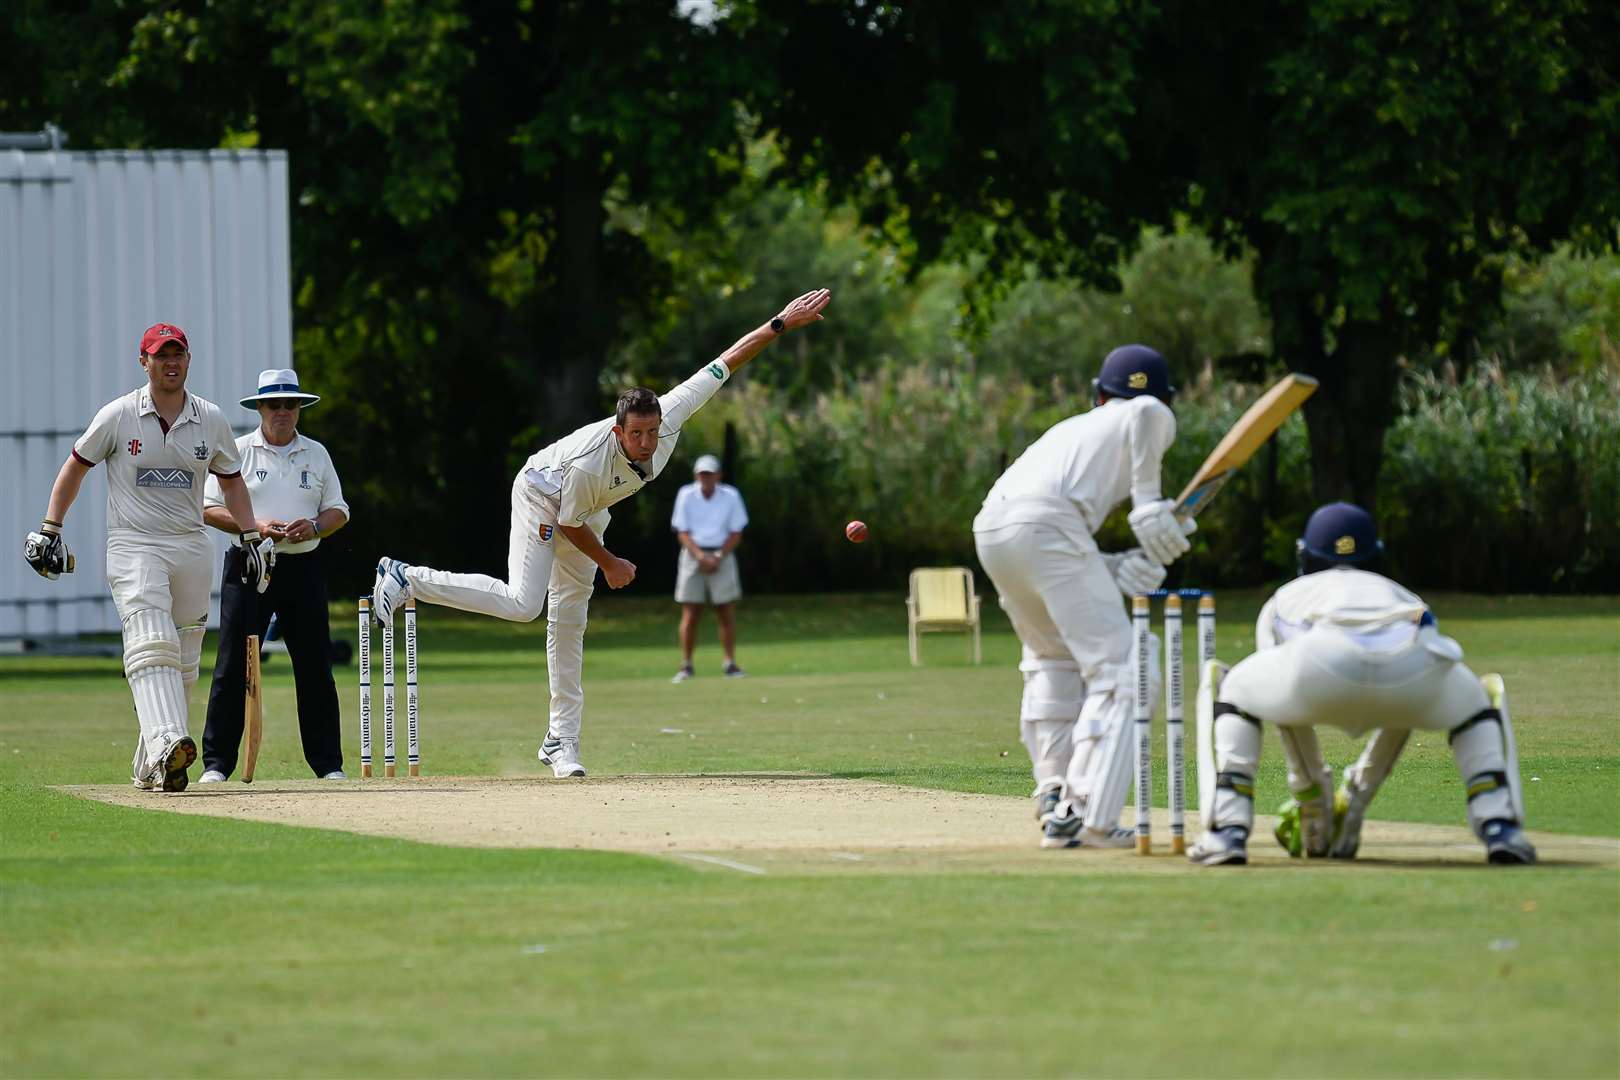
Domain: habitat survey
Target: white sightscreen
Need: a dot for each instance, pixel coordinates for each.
(94, 248)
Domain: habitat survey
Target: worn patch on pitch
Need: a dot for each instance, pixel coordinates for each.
(763, 823)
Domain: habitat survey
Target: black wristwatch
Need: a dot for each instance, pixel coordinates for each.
(777, 325)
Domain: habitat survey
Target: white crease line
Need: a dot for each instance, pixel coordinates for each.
(727, 863)
(847, 856)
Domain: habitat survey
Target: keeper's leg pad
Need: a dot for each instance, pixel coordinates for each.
(1209, 682)
(1479, 747)
(1236, 738)
(1311, 781)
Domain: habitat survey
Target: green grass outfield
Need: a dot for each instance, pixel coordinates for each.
(140, 942)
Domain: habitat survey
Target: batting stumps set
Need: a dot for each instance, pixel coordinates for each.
(413, 748)
(1174, 710)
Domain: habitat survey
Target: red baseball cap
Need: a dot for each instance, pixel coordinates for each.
(160, 334)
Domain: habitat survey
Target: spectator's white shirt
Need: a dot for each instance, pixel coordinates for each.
(155, 474)
(287, 483)
(586, 472)
(1083, 467)
(711, 521)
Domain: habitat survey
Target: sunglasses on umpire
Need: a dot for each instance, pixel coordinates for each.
(281, 403)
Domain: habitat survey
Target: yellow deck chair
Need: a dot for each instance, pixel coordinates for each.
(942, 598)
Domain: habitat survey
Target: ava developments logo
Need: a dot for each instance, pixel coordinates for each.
(717, 371)
(175, 479)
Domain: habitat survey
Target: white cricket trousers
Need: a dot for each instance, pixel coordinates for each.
(544, 572)
(160, 586)
(1328, 675)
(1076, 641)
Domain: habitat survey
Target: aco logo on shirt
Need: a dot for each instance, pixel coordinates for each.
(545, 534)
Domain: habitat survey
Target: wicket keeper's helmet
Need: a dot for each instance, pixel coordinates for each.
(1133, 370)
(1338, 534)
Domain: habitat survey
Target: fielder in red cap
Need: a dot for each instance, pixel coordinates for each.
(160, 444)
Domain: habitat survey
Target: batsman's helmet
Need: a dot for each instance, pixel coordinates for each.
(1338, 534)
(1133, 370)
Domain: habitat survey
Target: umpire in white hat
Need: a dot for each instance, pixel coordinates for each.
(708, 521)
(299, 500)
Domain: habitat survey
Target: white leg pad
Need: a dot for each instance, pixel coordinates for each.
(152, 662)
(1479, 749)
(191, 643)
(1049, 746)
(1237, 757)
(1110, 768)
(1209, 684)
(1053, 689)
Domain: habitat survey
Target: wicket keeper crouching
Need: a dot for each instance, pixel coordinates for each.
(1344, 646)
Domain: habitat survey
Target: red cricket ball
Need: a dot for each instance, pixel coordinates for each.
(856, 531)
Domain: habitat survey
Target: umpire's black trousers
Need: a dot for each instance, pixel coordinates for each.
(297, 597)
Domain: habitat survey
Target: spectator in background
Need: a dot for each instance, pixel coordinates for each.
(708, 521)
(299, 500)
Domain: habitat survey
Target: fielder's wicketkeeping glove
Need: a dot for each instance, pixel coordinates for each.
(46, 552)
(258, 559)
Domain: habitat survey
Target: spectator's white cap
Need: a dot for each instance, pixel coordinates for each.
(706, 463)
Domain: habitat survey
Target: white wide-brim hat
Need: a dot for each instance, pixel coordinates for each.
(278, 383)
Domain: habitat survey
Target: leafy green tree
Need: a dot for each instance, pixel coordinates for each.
(1380, 158)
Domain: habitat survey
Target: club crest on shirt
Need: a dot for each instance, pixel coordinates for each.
(201, 450)
(545, 534)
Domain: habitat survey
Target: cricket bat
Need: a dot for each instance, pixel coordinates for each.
(1250, 433)
(252, 711)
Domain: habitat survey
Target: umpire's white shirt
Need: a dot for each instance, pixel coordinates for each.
(287, 483)
(585, 472)
(155, 472)
(1074, 475)
(711, 521)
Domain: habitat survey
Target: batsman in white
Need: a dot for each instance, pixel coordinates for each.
(1034, 537)
(1345, 646)
(560, 501)
(160, 444)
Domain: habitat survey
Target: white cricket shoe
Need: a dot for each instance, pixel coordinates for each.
(212, 776)
(1226, 846)
(683, 674)
(562, 755)
(336, 774)
(390, 590)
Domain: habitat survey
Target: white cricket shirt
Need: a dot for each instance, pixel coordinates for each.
(155, 472)
(287, 483)
(711, 521)
(586, 472)
(1368, 606)
(1074, 475)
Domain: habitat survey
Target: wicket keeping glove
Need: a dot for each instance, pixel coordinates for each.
(46, 553)
(258, 559)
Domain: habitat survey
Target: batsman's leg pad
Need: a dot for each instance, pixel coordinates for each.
(152, 663)
(1049, 746)
(1237, 757)
(1111, 767)
(1477, 747)
(191, 643)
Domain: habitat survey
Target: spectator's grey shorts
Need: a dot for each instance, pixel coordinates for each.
(693, 586)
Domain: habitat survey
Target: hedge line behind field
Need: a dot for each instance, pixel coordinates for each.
(1504, 483)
